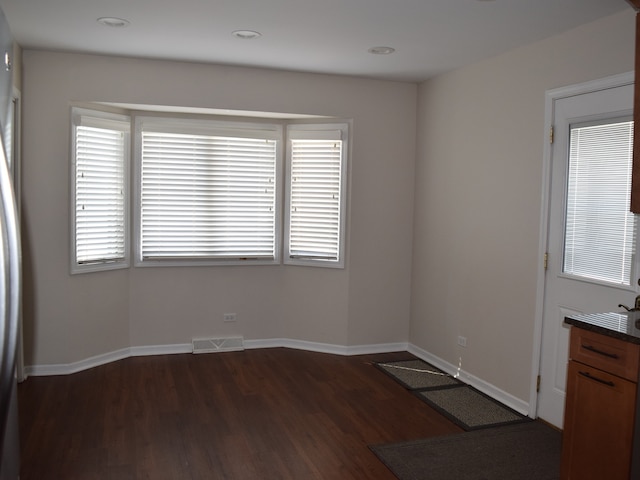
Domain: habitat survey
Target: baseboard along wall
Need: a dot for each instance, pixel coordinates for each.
(456, 370)
(95, 361)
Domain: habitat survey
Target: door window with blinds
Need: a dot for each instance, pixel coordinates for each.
(600, 232)
(99, 200)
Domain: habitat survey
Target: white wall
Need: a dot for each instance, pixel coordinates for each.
(71, 318)
(478, 197)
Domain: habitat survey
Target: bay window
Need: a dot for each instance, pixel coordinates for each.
(207, 191)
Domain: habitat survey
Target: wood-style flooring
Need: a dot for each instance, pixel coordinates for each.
(259, 414)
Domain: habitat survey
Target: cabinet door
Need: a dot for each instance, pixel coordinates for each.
(598, 427)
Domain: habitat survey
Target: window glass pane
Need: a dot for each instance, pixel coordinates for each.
(99, 195)
(314, 224)
(207, 196)
(600, 230)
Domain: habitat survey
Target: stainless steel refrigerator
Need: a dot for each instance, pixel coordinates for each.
(10, 272)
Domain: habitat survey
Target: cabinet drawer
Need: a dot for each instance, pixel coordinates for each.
(605, 353)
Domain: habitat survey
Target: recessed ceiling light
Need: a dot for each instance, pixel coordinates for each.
(381, 50)
(246, 34)
(113, 22)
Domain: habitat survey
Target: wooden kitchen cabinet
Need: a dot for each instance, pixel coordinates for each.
(600, 407)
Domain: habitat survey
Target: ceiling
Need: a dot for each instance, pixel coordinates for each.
(322, 36)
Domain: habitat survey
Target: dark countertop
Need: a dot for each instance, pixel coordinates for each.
(622, 325)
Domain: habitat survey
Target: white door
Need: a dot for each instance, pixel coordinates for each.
(569, 287)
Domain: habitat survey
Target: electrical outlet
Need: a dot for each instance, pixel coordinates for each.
(229, 317)
(462, 341)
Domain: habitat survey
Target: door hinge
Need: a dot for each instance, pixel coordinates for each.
(551, 134)
(538, 384)
(545, 262)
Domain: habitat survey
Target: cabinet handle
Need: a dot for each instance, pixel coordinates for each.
(591, 377)
(599, 352)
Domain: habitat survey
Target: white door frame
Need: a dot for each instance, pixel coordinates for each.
(551, 96)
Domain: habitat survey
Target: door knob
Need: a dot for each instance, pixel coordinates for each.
(635, 308)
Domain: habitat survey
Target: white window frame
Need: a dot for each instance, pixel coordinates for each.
(99, 119)
(207, 127)
(319, 131)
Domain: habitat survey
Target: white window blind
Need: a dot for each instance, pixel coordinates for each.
(207, 196)
(99, 193)
(316, 183)
(600, 230)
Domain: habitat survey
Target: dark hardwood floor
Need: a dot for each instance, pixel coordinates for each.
(258, 414)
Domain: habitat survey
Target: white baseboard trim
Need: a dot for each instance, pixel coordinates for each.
(161, 349)
(377, 348)
(86, 364)
(295, 344)
(325, 347)
(69, 368)
(494, 392)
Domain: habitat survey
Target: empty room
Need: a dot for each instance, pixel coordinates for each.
(317, 240)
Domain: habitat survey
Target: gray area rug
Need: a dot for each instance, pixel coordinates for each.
(417, 374)
(470, 408)
(526, 451)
